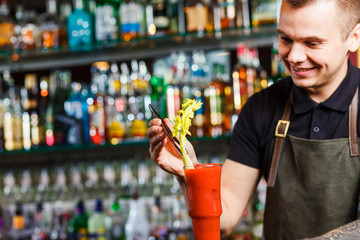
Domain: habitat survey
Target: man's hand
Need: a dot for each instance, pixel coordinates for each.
(163, 153)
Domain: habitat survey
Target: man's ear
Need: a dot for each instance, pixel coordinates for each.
(354, 36)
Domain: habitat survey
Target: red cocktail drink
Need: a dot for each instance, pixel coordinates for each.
(203, 185)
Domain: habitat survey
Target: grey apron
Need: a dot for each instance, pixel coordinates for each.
(313, 185)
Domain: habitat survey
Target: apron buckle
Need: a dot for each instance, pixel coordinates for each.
(282, 128)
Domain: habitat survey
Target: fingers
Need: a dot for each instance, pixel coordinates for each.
(155, 122)
(155, 150)
(156, 140)
(154, 128)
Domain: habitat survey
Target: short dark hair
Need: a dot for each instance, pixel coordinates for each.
(350, 7)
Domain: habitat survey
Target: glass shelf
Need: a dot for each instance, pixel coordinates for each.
(138, 48)
(127, 149)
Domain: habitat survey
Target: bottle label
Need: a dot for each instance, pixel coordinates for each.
(196, 18)
(6, 32)
(161, 22)
(82, 234)
(18, 222)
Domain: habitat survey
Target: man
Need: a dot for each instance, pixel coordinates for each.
(313, 169)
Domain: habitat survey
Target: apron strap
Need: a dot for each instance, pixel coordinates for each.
(280, 134)
(353, 138)
(283, 125)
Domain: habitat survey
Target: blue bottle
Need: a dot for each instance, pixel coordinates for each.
(76, 108)
(79, 25)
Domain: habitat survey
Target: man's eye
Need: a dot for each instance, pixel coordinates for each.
(286, 39)
(312, 44)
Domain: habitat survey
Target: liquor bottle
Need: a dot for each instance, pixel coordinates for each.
(10, 189)
(43, 102)
(58, 93)
(26, 189)
(12, 115)
(92, 181)
(196, 13)
(18, 222)
(39, 231)
(173, 12)
(19, 22)
(227, 14)
(239, 80)
(76, 179)
(243, 14)
(2, 112)
(59, 187)
(127, 89)
(143, 180)
(79, 27)
(106, 26)
(134, 76)
(44, 181)
(146, 89)
(127, 181)
(78, 225)
(76, 107)
(250, 71)
(17, 118)
(158, 87)
(115, 221)
(173, 91)
(215, 102)
(109, 177)
(59, 229)
(181, 224)
(159, 230)
(137, 225)
(27, 30)
(131, 17)
(50, 26)
(97, 113)
(6, 27)
(136, 115)
(200, 80)
(148, 20)
(264, 12)
(96, 222)
(26, 129)
(261, 74)
(115, 106)
(161, 18)
(31, 86)
(278, 69)
(65, 11)
(214, 23)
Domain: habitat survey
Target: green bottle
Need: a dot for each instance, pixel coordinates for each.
(78, 226)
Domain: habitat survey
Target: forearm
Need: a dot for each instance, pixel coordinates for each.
(238, 184)
(349, 231)
(182, 183)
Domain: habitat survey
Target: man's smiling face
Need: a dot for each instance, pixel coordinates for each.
(312, 47)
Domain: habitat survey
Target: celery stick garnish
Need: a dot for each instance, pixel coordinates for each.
(182, 125)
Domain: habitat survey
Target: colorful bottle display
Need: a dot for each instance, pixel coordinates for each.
(113, 106)
(112, 212)
(87, 23)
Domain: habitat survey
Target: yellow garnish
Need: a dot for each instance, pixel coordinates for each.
(182, 125)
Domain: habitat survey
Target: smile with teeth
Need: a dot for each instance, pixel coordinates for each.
(302, 69)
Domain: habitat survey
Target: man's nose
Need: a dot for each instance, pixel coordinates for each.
(297, 53)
